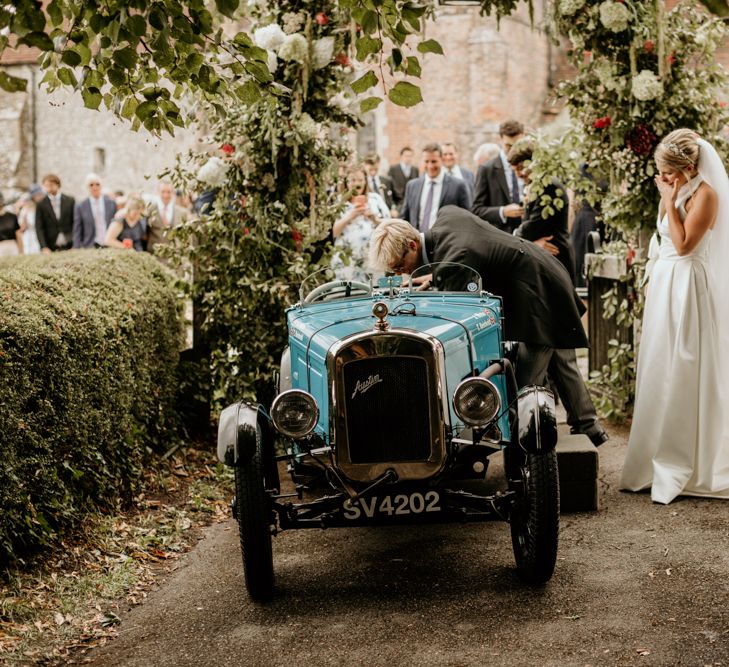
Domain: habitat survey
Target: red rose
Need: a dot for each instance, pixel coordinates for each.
(649, 45)
(587, 54)
(228, 149)
(641, 140)
(246, 231)
(322, 18)
(630, 256)
(297, 237)
(342, 59)
(671, 59)
(602, 123)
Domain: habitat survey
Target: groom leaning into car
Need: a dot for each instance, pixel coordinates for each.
(434, 189)
(541, 309)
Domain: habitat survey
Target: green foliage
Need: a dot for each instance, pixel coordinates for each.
(142, 59)
(613, 385)
(88, 353)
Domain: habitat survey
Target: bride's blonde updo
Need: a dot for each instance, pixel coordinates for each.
(679, 150)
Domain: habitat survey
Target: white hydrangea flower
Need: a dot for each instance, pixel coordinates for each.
(646, 86)
(269, 37)
(615, 16)
(323, 52)
(213, 172)
(294, 47)
(570, 7)
(292, 22)
(272, 61)
(341, 101)
(306, 126)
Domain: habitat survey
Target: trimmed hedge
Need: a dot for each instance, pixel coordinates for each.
(89, 344)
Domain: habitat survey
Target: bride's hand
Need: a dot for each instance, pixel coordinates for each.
(669, 193)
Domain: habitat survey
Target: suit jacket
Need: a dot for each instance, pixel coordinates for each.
(156, 230)
(47, 227)
(535, 226)
(539, 301)
(491, 192)
(385, 190)
(399, 181)
(84, 227)
(454, 191)
(468, 178)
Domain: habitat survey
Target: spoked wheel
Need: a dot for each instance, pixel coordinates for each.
(255, 516)
(535, 516)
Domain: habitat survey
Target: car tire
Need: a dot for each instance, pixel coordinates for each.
(535, 516)
(254, 515)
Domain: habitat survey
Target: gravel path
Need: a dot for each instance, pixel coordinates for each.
(636, 584)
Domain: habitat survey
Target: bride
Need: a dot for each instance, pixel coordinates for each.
(679, 443)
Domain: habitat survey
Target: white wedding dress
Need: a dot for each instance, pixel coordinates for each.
(678, 443)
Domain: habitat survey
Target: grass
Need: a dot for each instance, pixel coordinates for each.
(69, 601)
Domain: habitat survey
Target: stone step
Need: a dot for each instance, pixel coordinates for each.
(578, 472)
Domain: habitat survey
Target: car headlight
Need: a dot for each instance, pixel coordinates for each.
(295, 413)
(476, 401)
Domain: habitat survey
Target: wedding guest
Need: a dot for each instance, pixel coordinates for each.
(162, 215)
(54, 217)
(498, 192)
(484, 153)
(400, 174)
(26, 218)
(127, 229)
(11, 238)
(353, 230)
(434, 189)
(450, 164)
(379, 184)
(547, 231)
(679, 438)
(541, 309)
(585, 221)
(92, 216)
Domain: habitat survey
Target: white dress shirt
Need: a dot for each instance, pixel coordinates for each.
(166, 213)
(456, 172)
(508, 171)
(438, 191)
(98, 210)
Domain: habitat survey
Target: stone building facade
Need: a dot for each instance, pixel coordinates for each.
(43, 132)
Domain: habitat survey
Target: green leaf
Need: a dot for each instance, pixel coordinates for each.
(248, 93)
(259, 71)
(136, 25)
(83, 51)
(38, 39)
(365, 82)
(66, 76)
(227, 7)
(55, 13)
(126, 57)
(97, 23)
(129, 107)
(91, 97)
(117, 77)
(71, 58)
(413, 66)
(396, 56)
(369, 103)
(368, 21)
(367, 45)
(430, 46)
(718, 7)
(405, 94)
(12, 84)
(145, 110)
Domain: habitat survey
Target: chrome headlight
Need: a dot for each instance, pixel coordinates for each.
(295, 413)
(476, 401)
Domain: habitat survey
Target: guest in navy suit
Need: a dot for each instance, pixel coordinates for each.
(434, 189)
(400, 174)
(450, 163)
(54, 217)
(92, 216)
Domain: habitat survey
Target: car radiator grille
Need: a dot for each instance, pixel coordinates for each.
(386, 407)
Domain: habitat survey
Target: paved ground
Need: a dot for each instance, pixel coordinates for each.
(636, 584)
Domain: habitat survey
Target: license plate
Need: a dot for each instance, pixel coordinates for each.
(402, 504)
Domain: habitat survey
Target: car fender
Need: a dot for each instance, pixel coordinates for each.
(537, 419)
(237, 432)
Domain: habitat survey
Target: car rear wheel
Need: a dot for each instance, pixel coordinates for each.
(254, 515)
(535, 516)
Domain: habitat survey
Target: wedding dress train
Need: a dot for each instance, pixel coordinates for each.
(678, 444)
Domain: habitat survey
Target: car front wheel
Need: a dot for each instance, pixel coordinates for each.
(535, 515)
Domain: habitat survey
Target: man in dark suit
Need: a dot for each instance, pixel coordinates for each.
(399, 175)
(541, 309)
(54, 217)
(498, 191)
(550, 231)
(450, 164)
(92, 216)
(382, 185)
(426, 194)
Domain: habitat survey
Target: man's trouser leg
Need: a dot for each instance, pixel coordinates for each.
(581, 414)
(531, 364)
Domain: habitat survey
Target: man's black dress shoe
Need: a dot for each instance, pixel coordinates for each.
(597, 437)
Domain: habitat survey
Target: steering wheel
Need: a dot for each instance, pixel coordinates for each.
(333, 286)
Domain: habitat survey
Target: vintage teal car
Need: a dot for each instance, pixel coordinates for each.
(388, 399)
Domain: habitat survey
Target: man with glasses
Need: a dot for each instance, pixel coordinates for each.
(92, 216)
(499, 192)
(541, 309)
